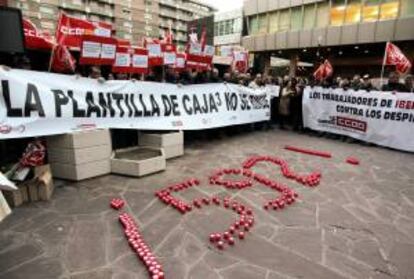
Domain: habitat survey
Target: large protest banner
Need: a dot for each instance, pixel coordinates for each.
(38, 104)
(384, 118)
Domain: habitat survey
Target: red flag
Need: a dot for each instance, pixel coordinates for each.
(394, 56)
(35, 38)
(324, 71)
(319, 73)
(328, 68)
(70, 30)
(62, 60)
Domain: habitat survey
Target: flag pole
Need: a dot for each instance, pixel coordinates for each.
(383, 66)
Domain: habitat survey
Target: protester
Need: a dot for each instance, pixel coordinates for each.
(394, 84)
(366, 84)
(257, 82)
(288, 91)
(409, 83)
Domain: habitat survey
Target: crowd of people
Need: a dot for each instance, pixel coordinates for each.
(286, 110)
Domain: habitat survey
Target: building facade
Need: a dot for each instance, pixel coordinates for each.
(132, 19)
(177, 13)
(228, 27)
(343, 30)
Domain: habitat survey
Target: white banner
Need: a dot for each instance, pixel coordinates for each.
(140, 61)
(383, 118)
(38, 104)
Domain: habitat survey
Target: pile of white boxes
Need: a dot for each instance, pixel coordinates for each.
(172, 143)
(80, 155)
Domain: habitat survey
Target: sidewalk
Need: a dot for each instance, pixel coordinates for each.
(358, 223)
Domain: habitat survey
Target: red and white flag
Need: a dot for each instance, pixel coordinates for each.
(70, 30)
(62, 60)
(324, 71)
(394, 56)
(35, 38)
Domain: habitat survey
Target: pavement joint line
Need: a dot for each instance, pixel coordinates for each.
(157, 247)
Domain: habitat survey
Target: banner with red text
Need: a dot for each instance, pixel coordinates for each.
(384, 118)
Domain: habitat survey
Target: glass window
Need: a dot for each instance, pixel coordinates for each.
(389, 9)
(274, 22)
(254, 25)
(263, 23)
(353, 11)
(296, 18)
(322, 16)
(309, 15)
(370, 11)
(284, 20)
(407, 7)
(337, 12)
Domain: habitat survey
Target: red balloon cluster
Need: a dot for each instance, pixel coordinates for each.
(310, 180)
(137, 243)
(117, 203)
(309, 151)
(216, 179)
(165, 195)
(238, 229)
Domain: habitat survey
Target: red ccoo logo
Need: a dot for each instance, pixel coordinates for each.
(351, 123)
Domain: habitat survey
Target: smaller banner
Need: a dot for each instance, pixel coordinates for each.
(384, 118)
(169, 58)
(122, 62)
(140, 61)
(155, 57)
(131, 60)
(97, 50)
(180, 62)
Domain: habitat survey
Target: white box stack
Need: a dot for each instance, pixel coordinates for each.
(171, 142)
(138, 161)
(80, 155)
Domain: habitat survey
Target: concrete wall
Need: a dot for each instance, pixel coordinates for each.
(372, 32)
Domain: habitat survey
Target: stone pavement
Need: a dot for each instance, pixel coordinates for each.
(358, 223)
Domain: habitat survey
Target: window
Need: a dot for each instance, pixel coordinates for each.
(370, 11)
(353, 11)
(274, 22)
(296, 18)
(284, 20)
(322, 16)
(46, 10)
(407, 8)
(309, 15)
(338, 12)
(253, 25)
(389, 9)
(263, 23)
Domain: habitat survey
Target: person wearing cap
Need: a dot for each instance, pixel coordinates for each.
(366, 84)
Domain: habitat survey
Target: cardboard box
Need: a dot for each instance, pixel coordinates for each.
(173, 151)
(79, 139)
(14, 198)
(122, 164)
(4, 207)
(40, 187)
(79, 155)
(160, 139)
(81, 171)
